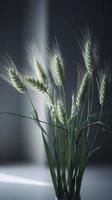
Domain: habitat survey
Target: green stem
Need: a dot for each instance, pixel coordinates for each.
(59, 177)
(16, 115)
(30, 100)
(98, 123)
(94, 139)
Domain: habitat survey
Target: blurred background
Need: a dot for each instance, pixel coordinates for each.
(42, 21)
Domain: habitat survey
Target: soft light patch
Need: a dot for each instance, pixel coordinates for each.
(7, 178)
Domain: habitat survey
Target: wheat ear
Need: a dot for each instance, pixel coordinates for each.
(36, 84)
(103, 88)
(88, 56)
(82, 92)
(17, 80)
(53, 115)
(73, 107)
(61, 112)
(9, 72)
(42, 74)
(58, 69)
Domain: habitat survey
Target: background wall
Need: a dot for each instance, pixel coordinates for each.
(67, 19)
(11, 16)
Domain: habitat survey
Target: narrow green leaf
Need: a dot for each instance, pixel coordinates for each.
(82, 154)
(63, 166)
(93, 151)
(57, 144)
(50, 162)
(82, 162)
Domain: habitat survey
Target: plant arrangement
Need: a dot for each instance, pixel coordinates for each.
(71, 142)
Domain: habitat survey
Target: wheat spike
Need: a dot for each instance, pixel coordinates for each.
(42, 75)
(17, 80)
(81, 95)
(58, 69)
(61, 112)
(9, 72)
(53, 115)
(73, 107)
(36, 62)
(103, 88)
(36, 84)
(88, 56)
(50, 99)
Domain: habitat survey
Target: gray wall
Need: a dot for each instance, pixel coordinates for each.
(10, 41)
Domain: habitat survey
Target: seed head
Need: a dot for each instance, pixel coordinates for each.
(36, 62)
(58, 69)
(42, 75)
(36, 84)
(50, 99)
(60, 112)
(53, 115)
(103, 88)
(17, 80)
(9, 72)
(88, 56)
(73, 107)
(81, 95)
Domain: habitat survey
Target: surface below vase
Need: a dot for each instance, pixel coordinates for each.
(65, 198)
